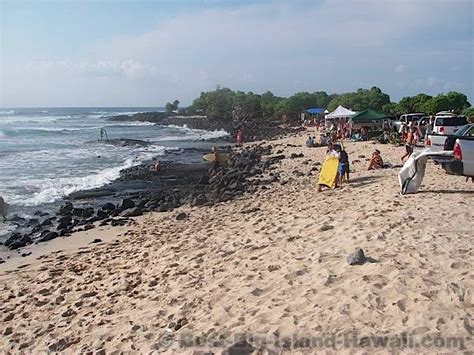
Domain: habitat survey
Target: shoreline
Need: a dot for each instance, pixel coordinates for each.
(269, 262)
(132, 181)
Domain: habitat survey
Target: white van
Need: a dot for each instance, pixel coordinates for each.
(407, 118)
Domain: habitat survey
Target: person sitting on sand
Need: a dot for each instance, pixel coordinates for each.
(376, 161)
(323, 140)
(309, 142)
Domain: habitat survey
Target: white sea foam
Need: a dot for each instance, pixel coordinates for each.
(48, 190)
(9, 112)
(194, 134)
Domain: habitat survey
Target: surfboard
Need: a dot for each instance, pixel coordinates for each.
(328, 173)
(221, 156)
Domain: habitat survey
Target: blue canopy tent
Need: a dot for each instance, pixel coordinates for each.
(315, 111)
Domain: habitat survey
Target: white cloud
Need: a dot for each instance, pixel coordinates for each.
(400, 68)
(335, 45)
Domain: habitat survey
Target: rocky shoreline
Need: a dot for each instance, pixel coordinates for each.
(140, 189)
(253, 130)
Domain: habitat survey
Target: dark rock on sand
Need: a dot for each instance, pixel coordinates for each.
(47, 235)
(96, 240)
(89, 226)
(357, 258)
(181, 216)
(63, 232)
(126, 204)
(119, 222)
(108, 206)
(101, 214)
(132, 212)
(199, 200)
(17, 240)
(242, 347)
(294, 155)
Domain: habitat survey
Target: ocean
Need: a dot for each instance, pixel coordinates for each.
(48, 153)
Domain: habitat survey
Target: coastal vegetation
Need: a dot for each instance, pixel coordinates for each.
(238, 106)
(170, 107)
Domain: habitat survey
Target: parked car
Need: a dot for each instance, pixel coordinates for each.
(438, 142)
(448, 124)
(462, 160)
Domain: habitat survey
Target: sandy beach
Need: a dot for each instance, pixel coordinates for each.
(271, 264)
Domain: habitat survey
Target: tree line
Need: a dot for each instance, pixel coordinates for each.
(224, 103)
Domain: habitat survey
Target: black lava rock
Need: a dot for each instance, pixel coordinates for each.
(126, 204)
(47, 235)
(181, 216)
(199, 200)
(108, 206)
(66, 209)
(132, 212)
(357, 258)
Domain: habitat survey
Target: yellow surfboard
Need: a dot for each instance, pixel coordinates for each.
(328, 173)
(221, 156)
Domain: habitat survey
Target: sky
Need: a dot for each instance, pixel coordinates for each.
(148, 52)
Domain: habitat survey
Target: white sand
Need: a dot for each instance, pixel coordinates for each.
(271, 264)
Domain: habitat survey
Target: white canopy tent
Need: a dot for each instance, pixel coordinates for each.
(339, 113)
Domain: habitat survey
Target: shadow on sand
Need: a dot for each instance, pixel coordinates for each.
(362, 181)
(469, 192)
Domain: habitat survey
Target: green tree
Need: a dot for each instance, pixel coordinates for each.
(411, 104)
(469, 112)
(170, 107)
(361, 100)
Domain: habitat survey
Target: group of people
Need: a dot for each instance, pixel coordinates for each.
(341, 129)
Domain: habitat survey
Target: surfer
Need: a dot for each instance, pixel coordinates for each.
(103, 133)
(329, 171)
(3, 208)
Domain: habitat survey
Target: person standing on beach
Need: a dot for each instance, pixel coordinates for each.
(238, 138)
(343, 168)
(331, 152)
(409, 143)
(3, 208)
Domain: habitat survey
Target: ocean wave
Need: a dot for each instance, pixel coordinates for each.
(9, 112)
(9, 120)
(51, 189)
(193, 134)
